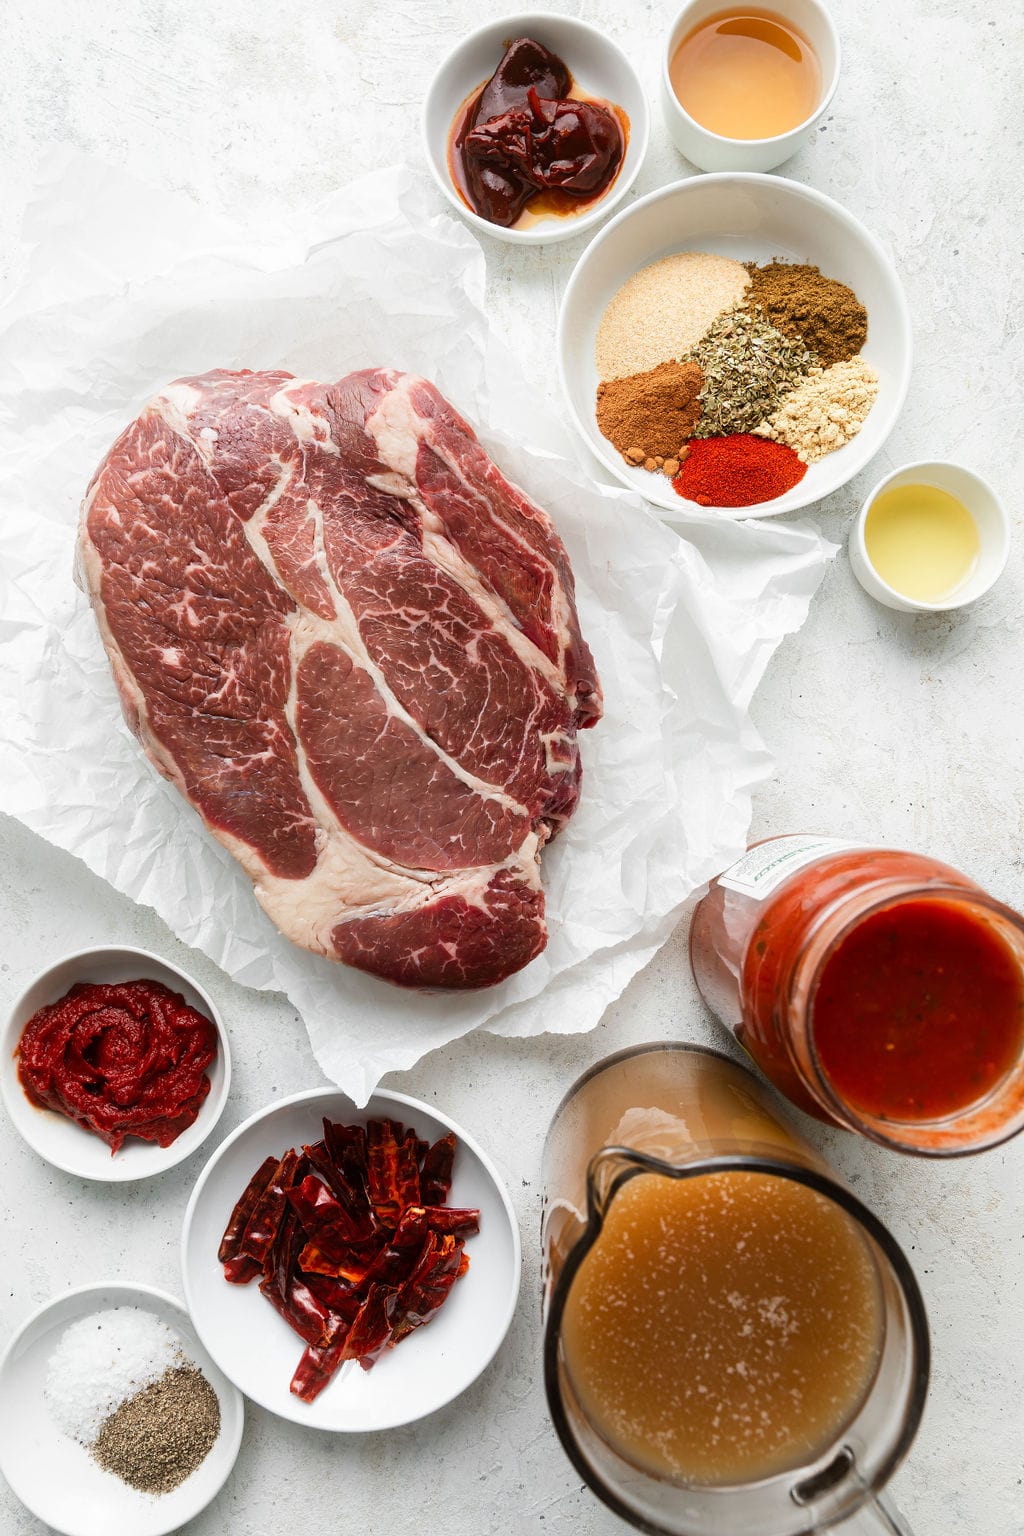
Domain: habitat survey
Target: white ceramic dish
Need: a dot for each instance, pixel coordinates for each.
(59, 1140)
(751, 218)
(981, 502)
(53, 1475)
(598, 67)
(713, 151)
(257, 1349)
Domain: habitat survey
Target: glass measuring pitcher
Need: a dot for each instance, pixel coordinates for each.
(734, 1345)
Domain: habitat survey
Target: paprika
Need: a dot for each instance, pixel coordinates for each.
(737, 471)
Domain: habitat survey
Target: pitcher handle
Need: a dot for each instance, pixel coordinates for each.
(878, 1517)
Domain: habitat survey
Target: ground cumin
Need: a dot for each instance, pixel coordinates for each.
(799, 301)
(649, 416)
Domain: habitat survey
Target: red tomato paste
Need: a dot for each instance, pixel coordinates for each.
(919, 1012)
(124, 1059)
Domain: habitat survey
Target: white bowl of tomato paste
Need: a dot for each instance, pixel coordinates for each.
(115, 1064)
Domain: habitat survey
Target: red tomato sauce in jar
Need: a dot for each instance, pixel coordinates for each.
(878, 989)
(919, 1012)
(121, 1059)
(779, 937)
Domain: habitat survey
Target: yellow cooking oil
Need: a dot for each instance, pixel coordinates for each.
(922, 541)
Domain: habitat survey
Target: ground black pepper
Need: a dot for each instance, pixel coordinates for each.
(158, 1437)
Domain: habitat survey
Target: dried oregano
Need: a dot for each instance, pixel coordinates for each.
(748, 367)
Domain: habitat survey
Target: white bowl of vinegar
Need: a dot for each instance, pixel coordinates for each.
(803, 25)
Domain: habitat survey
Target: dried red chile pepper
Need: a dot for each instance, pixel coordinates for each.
(525, 135)
(354, 1241)
(123, 1059)
(238, 1267)
(436, 1171)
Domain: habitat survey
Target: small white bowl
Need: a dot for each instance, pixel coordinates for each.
(59, 1140)
(53, 1475)
(598, 67)
(981, 502)
(258, 1351)
(713, 151)
(750, 218)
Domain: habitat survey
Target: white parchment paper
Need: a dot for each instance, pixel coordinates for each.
(128, 288)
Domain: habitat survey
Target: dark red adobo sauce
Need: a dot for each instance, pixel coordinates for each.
(919, 1012)
(524, 142)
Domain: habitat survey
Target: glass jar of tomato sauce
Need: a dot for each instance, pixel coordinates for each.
(879, 990)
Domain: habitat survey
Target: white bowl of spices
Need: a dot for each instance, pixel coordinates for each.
(602, 116)
(116, 1420)
(735, 343)
(931, 537)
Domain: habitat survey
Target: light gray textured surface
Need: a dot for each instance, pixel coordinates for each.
(883, 726)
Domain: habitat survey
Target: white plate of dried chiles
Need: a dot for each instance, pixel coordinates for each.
(351, 1269)
(116, 1421)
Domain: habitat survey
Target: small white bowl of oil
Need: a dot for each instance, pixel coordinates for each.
(931, 537)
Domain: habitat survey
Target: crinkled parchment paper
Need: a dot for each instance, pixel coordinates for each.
(128, 288)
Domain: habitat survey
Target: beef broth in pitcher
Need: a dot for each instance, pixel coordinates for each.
(725, 1327)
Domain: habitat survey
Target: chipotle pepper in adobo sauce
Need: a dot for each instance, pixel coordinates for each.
(878, 989)
(522, 140)
(122, 1059)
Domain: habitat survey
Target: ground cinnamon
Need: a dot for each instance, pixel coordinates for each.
(649, 416)
(799, 301)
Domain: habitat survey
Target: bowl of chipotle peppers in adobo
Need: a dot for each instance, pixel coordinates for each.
(535, 127)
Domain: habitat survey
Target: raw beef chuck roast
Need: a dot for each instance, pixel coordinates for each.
(353, 646)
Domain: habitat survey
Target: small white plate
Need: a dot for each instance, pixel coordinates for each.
(53, 1475)
(598, 68)
(750, 218)
(59, 1140)
(256, 1348)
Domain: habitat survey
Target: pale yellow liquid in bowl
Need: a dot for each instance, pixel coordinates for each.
(922, 541)
(724, 1328)
(746, 75)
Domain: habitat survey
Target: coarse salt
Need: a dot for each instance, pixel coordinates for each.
(101, 1360)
